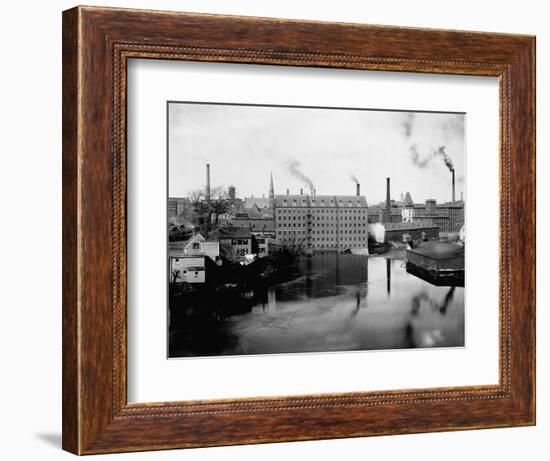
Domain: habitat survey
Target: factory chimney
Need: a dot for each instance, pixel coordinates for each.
(314, 192)
(453, 173)
(358, 189)
(462, 196)
(287, 192)
(388, 201)
(208, 181)
(301, 191)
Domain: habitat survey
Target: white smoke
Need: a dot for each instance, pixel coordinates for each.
(378, 231)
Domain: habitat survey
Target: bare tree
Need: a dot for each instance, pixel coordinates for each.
(175, 275)
(207, 210)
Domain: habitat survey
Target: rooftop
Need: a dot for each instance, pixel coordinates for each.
(404, 225)
(331, 201)
(439, 250)
(455, 204)
(234, 233)
(260, 202)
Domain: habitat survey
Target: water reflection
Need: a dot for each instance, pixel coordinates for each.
(336, 303)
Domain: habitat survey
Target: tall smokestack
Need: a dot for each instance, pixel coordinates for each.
(301, 191)
(314, 191)
(388, 201)
(358, 189)
(462, 196)
(287, 192)
(208, 181)
(453, 173)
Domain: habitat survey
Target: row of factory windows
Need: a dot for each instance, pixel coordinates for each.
(350, 239)
(324, 219)
(321, 202)
(330, 224)
(325, 232)
(323, 211)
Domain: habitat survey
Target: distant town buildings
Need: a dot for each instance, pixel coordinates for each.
(176, 206)
(258, 221)
(449, 217)
(238, 242)
(377, 214)
(253, 227)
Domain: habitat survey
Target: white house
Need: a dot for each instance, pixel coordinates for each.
(187, 269)
(196, 245)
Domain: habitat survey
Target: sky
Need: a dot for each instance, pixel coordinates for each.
(329, 146)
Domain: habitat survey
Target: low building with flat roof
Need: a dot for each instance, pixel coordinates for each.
(436, 261)
(395, 232)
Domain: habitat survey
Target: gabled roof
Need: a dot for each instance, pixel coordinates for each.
(178, 248)
(196, 238)
(260, 202)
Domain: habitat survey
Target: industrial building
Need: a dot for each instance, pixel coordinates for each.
(395, 232)
(449, 217)
(322, 222)
(377, 214)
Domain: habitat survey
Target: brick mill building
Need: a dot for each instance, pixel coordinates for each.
(322, 222)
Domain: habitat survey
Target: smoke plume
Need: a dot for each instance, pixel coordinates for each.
(294, 168)
(446, 159)
(354, 178)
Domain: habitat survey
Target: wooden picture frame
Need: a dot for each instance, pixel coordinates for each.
(97, 43)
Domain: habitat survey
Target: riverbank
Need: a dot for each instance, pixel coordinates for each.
(334, 303)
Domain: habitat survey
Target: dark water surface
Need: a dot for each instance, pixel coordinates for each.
(336, 303)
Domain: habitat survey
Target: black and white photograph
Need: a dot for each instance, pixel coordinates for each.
(295, 229)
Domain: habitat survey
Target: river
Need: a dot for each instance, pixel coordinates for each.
(336, 303)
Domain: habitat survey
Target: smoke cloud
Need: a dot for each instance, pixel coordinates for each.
(294, 168)
(417, 159)
(423, 162)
